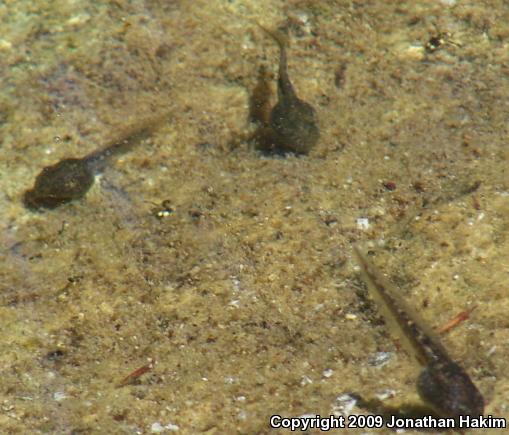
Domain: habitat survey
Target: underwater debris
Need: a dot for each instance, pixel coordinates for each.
(437, 41)
(456, 320)
(442, 384)
(71, 178)
(162, 210)
(135, 374)
(293, 124)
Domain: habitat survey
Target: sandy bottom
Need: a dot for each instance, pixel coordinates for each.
(239, 297)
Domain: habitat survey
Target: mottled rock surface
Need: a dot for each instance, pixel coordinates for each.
(246, 295)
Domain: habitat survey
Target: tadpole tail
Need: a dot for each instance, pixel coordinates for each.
(285, 86)
(128, 139)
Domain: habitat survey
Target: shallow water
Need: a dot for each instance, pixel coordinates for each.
(244, 294)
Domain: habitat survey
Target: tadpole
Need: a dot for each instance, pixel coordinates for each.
(71, 178)
(293, 124)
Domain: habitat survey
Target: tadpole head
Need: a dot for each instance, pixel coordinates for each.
(296, 125)
(58, 184)
(449, 391)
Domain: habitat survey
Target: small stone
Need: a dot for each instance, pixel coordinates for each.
(379, 359)
(363, 223)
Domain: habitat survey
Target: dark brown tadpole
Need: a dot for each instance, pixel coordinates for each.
(71, 178)
(293, 122)
(442, 384)
(449, 391)
(60, 183)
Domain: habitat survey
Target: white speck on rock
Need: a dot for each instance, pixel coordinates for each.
(327, 373)
(379, 359)
(156, 428)
(230, 379)
(234, 303)
(59, 396)
(386, 394)
(159, 428)
(344, 405)
(305, 380)
(363, 223)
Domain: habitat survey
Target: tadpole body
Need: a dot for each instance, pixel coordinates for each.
(293, 122)
(60, 183)
(71, 178)
(442, 383)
